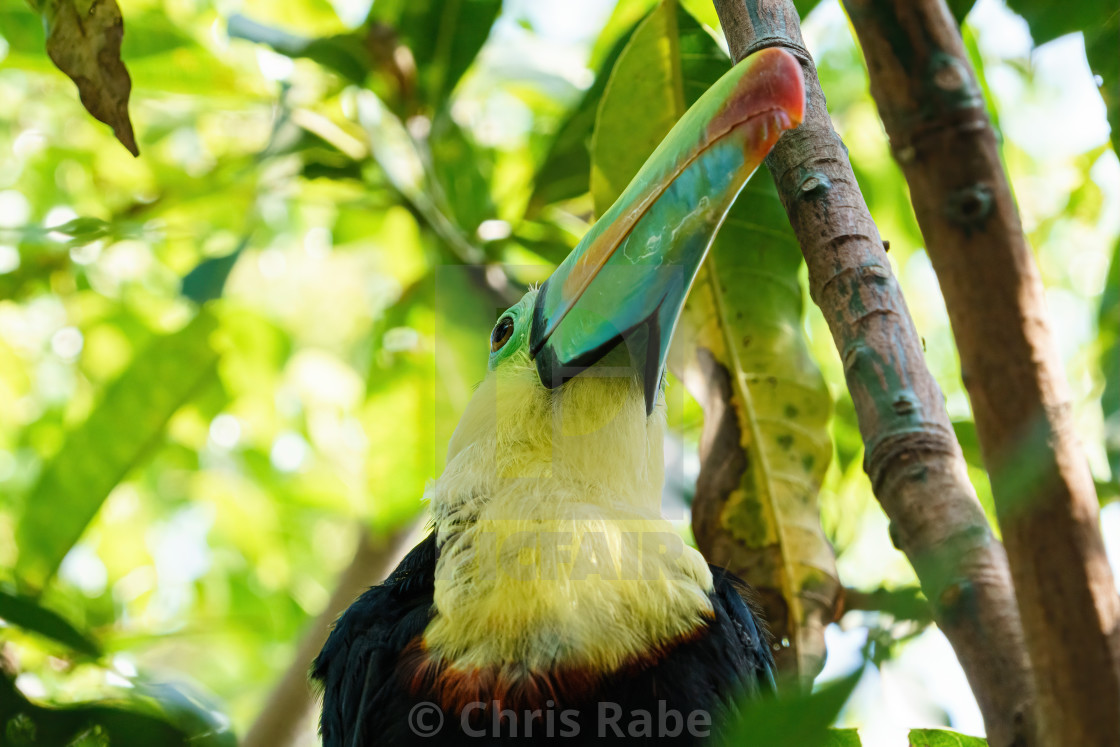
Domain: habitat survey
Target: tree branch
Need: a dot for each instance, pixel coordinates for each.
(289, 703)
(913, 459)
(940, 134)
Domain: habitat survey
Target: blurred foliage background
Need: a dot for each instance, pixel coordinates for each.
(223, 360)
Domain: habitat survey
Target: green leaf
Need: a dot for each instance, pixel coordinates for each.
(22, 31)
(643, 98)
(460, 169)
(744, 352)
(188, 711)
(702, 59)
(943, 738)
(1048, 20)
(1102, 50)
(965, 431)
(1109, 340)
(566, 170)
(805, 7)
(138, 722)
(842, 738)
(346, 54)
(1100, 22)
(1107, 492)
(84, 230)
(449, 316)
(118, 435)
(972, 48)
(87, 47)
(907, 603)
(800, 720)
(27, 613)
(688, 63)
(207, 280)
(156, 35)
(409, 172)
(960, 9)
(443, 36)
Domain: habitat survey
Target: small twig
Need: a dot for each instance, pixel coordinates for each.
(906, 603)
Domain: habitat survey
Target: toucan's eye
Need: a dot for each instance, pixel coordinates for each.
(503, 330)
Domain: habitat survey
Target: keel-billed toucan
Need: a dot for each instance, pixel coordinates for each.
(551, 601)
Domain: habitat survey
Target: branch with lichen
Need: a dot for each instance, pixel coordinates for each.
(912, 457)
(941, 136)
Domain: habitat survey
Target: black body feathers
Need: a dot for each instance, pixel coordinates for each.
(367, 701)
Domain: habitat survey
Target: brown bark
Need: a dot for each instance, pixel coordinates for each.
(940, 134)
(289, 704)
(912, 456)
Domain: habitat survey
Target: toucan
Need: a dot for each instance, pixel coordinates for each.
(551, 602)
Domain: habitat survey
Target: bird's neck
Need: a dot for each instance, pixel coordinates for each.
(553, 552)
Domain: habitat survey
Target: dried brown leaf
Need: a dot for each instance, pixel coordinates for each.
(84, 41)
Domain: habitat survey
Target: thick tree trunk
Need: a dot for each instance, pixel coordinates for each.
(913, 459)
(289, 703)
(940, 134)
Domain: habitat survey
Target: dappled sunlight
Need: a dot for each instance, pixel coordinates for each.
(221, 359)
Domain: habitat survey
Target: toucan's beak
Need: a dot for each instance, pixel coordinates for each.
(628, 278)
